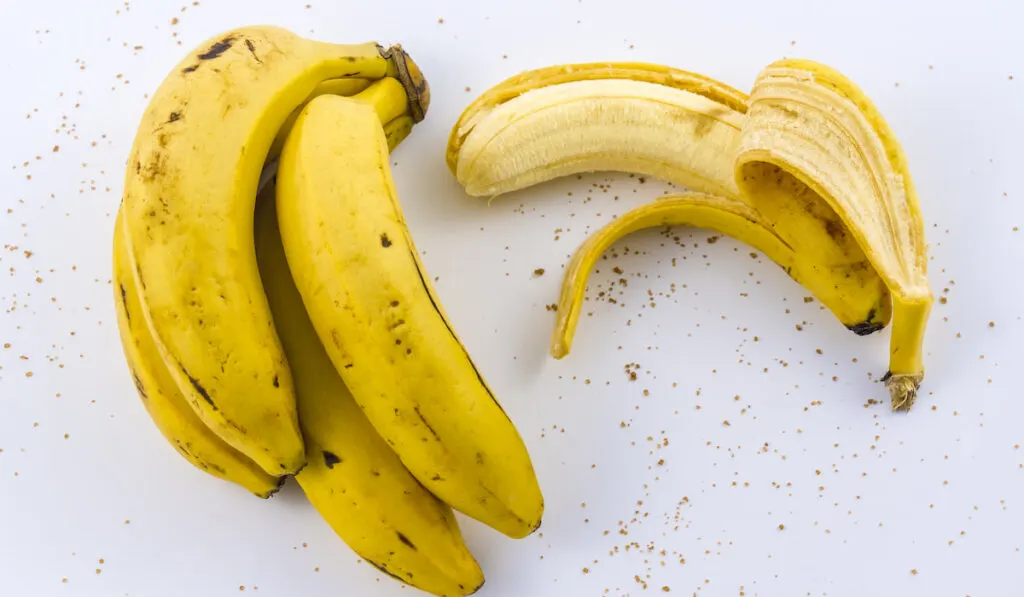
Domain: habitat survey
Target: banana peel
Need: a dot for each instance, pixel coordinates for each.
(820, 176)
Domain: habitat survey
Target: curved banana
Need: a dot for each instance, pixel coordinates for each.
(763, 151)
(375, 310)
(189, 192)
(160, 395)
(353, 478)
(721, 214)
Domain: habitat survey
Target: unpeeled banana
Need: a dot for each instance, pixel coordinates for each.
(822, 176)
(353, 478)
(376, 311)
(189, 193)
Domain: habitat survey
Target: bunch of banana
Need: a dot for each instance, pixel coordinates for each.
(350, 377)
(804, 169)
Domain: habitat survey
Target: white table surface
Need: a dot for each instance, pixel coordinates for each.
(814, 487)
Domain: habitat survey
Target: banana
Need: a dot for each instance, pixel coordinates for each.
(376, 312)
(160, 395)
(858, 249)
(353, 478)
(190, 188)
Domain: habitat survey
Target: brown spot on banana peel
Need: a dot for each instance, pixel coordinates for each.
(405, 541)
(252, 50)
(416, 409)
(277, 382)
(868, 326)
(141, 389)
(218, 48)
(330, 459)
(174, 117)
(384, 240)
(198, 387)
(124, 303)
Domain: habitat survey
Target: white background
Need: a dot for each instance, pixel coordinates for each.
(812, 488)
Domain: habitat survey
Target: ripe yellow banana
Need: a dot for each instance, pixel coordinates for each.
(165, 404)
(189, 193)
(761, 151)
(353, 478)
(375, 310)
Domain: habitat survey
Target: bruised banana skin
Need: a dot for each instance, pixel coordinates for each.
(190, 188)
(353, 478)
(682, 136)
(854, 224)
(721, 214)
(165, 404)
(376, 312)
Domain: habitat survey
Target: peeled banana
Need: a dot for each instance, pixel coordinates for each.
(189, 193)
(376, 312)
(353, 478)
(806, 152)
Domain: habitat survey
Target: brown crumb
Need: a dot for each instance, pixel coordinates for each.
(782, 527)
(440, 21)
(539, 271)
(174, 21)
(913, 571)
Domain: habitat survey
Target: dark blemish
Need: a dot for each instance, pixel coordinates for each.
(375, 472)
(199, 388)
(252, 50)
(437, 477)
(141, 389)
(416, 409)
(349, 366)
(218, 48)
(406, 541)
(397, 324)
(835, 229)
(479, 458)
(124, 303)
(218, 468)
(336, 338)
(330, 459)
(384, 240)
(408, 351)
(354, 73)
(138, 166)
(448, 326)
(888, 374)
(867, 326)
(190, 69)
(398, 342)
(383, 567)
(174, 117)
(277, 384)
(394, 303)
(350, 58)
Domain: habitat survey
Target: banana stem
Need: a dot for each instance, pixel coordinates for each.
(906, 350)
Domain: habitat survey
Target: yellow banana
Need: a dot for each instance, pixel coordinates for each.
(353, 478)
(376, 312)
(702, 134)
(189, 192)
(163, 401)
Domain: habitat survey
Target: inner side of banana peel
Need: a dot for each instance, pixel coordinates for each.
(885, 218)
